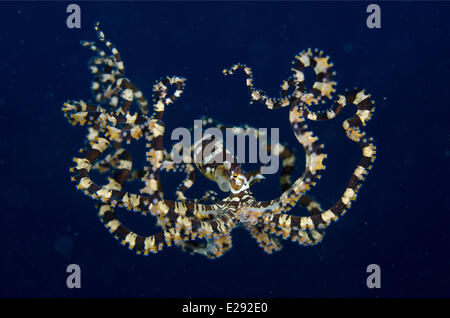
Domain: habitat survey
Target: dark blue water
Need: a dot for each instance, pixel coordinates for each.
(399, 221)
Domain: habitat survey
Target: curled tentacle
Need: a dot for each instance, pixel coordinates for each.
(203, 226)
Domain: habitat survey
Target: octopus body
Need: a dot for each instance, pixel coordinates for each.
(120, 114)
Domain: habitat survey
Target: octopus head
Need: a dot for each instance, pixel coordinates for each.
(231, 177)
(237, 179)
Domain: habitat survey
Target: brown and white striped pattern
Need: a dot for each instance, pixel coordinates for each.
(112, 122)
(323, 86)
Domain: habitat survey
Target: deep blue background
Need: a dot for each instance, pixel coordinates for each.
(399, 221)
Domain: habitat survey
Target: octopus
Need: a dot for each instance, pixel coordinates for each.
(120, 114)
